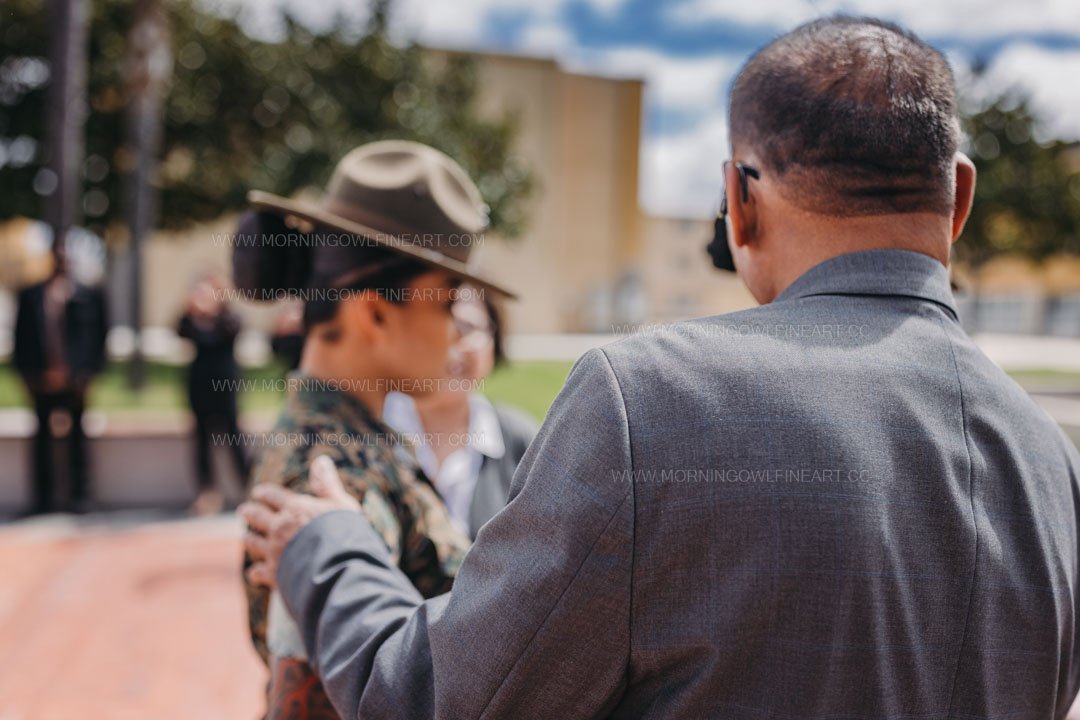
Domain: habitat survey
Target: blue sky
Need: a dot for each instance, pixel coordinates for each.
(688, 51)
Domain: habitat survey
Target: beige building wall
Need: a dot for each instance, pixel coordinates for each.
(587, 235)
(680, 279)
(580, 136)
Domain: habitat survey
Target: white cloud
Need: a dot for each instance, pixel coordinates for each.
(961, 18)
(684, 84)
(681, 174)
(462, 22)
(778, 13)
(448, 24)
(262, 18)
(548, 38)
(1049, 78)
(609, 7)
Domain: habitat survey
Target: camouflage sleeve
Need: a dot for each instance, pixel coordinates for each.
(413, 522)
(258, 600)
(292, 473)
(276, 468)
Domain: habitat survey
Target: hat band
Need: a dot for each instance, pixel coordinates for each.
(456, 246)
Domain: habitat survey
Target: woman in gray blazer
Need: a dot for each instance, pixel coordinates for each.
(468, 447)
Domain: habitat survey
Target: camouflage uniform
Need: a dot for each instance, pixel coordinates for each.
(375, 464)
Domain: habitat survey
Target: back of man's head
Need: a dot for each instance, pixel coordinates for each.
(854, 116)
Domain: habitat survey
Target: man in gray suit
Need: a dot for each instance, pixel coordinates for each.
(830, 506)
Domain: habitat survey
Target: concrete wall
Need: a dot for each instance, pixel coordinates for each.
(153, 469)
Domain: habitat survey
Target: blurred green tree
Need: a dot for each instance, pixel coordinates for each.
(1027, 196)
(245, 113)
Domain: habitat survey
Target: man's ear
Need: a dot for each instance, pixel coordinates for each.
(362, 313)
(742, 216)
(965, 193)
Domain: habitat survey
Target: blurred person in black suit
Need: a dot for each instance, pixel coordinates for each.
(212, 383)
(60, 329)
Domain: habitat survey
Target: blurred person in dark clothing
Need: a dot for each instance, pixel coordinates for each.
(288, 339)
(60, 331)
(212, 382)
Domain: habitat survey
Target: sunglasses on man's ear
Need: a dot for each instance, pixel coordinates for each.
(718, 248)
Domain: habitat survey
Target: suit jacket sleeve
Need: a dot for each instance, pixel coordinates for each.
(538, 622)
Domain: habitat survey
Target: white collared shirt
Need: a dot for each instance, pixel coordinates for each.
(456, 478)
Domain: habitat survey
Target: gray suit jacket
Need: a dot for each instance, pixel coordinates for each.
(496, 474)
(834, 506)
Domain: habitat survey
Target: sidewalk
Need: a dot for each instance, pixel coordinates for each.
(1012, 352)
(127, 617)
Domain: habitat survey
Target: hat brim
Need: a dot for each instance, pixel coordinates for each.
(317, 215)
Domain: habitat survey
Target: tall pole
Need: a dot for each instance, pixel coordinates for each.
(70, 20)
(149, 67)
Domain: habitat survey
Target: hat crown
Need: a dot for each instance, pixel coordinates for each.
(403, 187)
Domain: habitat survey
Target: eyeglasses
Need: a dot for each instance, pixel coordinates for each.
(718, 248)
(470, 317)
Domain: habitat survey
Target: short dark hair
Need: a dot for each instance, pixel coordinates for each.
(390, 271)
(498, 328)
(265, 268)
(857, 115)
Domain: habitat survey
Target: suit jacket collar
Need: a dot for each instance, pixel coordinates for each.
(897, 273)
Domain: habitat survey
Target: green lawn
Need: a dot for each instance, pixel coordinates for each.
(1047, 379)
(529, 385)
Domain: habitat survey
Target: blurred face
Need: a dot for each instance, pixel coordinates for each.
(404, 340)
(473, 357)
(206, 297)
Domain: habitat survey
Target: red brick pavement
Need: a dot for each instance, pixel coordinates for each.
(138, 622)
(127, 623)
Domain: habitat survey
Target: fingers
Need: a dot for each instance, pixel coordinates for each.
(326, 483)
(257, 546)
(260, 574)
(258, 517)
(323, 476)
(273, 496)
(260, 549)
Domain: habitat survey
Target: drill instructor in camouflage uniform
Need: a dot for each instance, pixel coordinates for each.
(380, 262)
